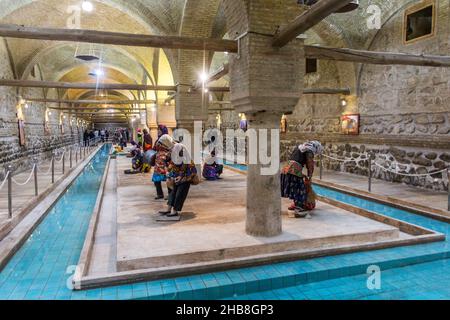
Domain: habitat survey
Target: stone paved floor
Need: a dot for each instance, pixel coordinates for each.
(429, 198)
(22, 195)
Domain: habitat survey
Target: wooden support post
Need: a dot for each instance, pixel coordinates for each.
(370, 174)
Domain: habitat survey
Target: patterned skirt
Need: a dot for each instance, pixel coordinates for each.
(157, 177)
(293, 187)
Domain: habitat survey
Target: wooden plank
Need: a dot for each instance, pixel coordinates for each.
(307, 20)
(343, 91)
(93, 109)
(99, 102)
(82, 86)
(115, 38)
(372, 57)
(216, 75)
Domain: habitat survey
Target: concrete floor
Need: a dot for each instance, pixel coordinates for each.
(213, 225)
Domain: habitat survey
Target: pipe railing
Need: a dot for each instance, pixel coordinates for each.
(81, 149)
(372, 163)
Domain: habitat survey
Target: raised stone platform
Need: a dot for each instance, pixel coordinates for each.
(211, 234)
(213, 226)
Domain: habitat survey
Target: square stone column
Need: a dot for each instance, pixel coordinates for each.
(265, 84)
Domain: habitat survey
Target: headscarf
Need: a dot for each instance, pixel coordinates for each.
(163, 129)
(166, 141)
(314, 146)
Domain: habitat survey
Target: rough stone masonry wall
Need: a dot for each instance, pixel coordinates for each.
(405, 110)
(38, 143)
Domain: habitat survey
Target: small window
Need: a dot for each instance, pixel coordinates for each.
(419, 22)
(311, 66)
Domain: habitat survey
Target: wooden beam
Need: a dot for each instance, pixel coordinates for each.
(307, 20)
(216, 75)
(104, 114)
(372, 57)
(93, 109)
(82, 86)
(343, 91)
(218, 89)
(115, 38)
(212, 89)
(100, 102)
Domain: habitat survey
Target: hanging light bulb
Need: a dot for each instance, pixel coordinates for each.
(203, 77)
(87, 6)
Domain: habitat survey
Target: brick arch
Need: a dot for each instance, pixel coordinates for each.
(143, 14)
(237, 16)
(39, 55)
(373, 39)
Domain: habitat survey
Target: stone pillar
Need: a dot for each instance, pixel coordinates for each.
(265, 84)
(263, 191)
(191, 108)
(152, 121)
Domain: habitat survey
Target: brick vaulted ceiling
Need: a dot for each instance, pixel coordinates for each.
(164, 17)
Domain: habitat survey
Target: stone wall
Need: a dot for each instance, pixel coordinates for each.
(405, 115)
(38, 143)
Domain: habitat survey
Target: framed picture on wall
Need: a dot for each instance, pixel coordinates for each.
(21, 125)
(46, 127)
(419, 22)
(350, 124)
(283, 125)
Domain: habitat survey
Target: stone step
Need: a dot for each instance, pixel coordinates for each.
(384, 233)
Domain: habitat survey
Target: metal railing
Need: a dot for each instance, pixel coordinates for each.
(80, 150)
(372, 163)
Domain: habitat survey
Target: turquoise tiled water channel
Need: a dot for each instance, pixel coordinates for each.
(39, 269)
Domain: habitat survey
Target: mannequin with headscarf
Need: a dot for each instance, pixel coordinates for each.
(294, 184)
(163, 148)
(181, 174)
(212, 170)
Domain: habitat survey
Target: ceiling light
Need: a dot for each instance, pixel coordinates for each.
(87, 6)
(203, 77)
(99, 72)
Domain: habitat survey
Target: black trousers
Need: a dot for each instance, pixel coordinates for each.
(179, 195)
(159, 189)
